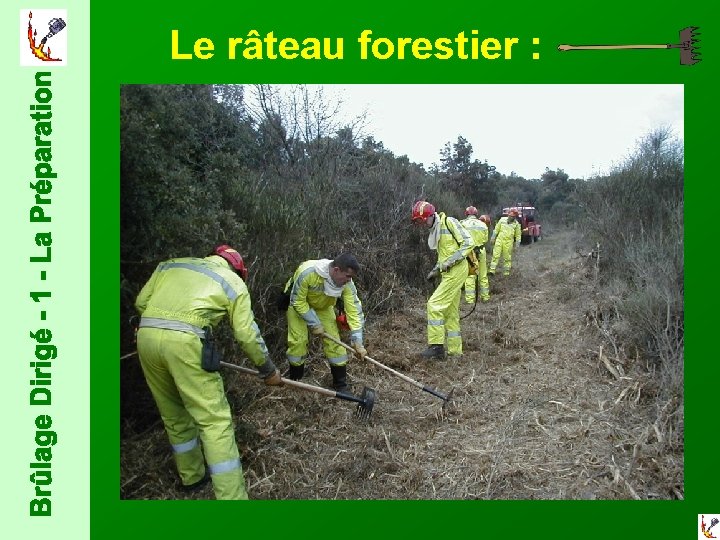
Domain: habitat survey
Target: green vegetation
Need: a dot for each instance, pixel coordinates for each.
(636, 215)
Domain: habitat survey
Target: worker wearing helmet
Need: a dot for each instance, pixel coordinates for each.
(314, 290)
(453, 244)
(179, 305)
(479, 232)
(507, 232)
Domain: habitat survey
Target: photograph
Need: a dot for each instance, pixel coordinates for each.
(482, 320)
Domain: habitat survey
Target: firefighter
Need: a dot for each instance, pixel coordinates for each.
(453, 244)
(506, 232)
(179, 306)
(314, 290)
(478, 229)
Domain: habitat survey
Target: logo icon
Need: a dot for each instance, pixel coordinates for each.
(43, 38)
(706, 527)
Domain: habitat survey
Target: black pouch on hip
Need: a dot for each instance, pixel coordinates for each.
(210, 357)
(283, 301)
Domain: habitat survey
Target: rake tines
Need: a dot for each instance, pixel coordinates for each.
(448, 399)
(365, 404)
(689, 53)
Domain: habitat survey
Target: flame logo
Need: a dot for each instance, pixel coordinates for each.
(37, 50)
(706, 531)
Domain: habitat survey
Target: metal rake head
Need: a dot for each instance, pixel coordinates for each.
(448, 401)
(689, 51)
(366, 403)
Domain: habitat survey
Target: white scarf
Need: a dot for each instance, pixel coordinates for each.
(434, 236)
(323, 269)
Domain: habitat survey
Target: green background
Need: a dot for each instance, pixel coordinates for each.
(131, 43)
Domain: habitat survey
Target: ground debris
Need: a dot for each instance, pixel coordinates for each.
(539, 411)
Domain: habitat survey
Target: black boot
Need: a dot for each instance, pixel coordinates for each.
(196, 486)
(434, 352)
(339, 375)
(296, 373)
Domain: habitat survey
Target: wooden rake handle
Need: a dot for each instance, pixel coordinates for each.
(378, 364)
(289, 382)
(365, 403)
(388, 368)
(607, 47)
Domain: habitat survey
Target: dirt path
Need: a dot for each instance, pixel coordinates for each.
(536, 414)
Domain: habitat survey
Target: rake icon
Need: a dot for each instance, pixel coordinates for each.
(689, 53)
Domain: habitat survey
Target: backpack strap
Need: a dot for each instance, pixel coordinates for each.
(459, 243)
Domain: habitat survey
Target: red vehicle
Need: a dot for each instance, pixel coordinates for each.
(529, 224)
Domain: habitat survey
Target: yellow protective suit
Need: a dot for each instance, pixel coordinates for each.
(182, 297)
(479, 232)
(505, 235)
(443, 307)
(310, 307)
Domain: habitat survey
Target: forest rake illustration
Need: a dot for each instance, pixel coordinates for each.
(689, 53)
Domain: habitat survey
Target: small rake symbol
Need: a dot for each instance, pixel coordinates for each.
(689, 53)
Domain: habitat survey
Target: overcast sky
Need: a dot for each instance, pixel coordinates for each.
(582, 129)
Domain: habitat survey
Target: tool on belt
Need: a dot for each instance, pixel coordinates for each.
(476, 250)
(341, 317)
(210, 358)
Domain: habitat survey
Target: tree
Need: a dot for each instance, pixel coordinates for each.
(467, 177)
(556, 190)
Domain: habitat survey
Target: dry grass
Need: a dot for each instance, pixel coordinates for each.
(542, 409)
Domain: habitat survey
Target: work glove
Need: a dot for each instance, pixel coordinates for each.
(435, 272)
(517, 244)
(274, 379)
(492, 239)
(359, 349)
(269, 373)
(317, 330)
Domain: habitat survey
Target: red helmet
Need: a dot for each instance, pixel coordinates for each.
(234, 258)
(471, 211)
(513, 212)
(422, 210)
(485, 219)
